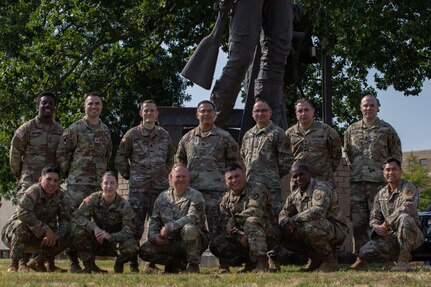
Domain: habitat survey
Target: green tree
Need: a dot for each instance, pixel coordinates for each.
(419, 176)
(134, 50)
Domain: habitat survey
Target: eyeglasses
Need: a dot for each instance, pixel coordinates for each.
(205, 111)
(261, 111)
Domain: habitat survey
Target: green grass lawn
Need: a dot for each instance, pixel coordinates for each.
(421, 276)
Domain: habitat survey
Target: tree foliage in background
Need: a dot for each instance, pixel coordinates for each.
(134, 50)
(419, 176)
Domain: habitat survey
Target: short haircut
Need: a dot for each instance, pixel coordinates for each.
(178, 165)
(302, 101)
(206, 102)
(258, 100)
(232, 166)
(148, 102)
(92, 94)
(372, 96)
(111, 173)
(392, 159)
(48, 169)
(46, 94)
(300, 166)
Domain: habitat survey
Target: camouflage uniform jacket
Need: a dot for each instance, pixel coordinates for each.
(366, 149)
(389, 204)
(317, 202)
(117, 218)
(84, 151)
(319, 148)
(145, 157)
(32, 149)
(253, 201)
(267, 155)
(174, 215)
(206, 156)
(38, 211)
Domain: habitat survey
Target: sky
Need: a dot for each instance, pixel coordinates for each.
(410, 116)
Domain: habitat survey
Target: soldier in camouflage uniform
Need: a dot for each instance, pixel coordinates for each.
(31, 224)
(394, 220)
(249, 226)
(207, 150)
(367, 144)
(144, 157)
(267, 157)
(103, 225)
(177, 233)
(33, 147)
(314, 143)
(83, 153)
(311, 221)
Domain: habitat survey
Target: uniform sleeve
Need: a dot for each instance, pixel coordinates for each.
(347, 148)
(155, 224)
(17, 150)
(284, 154)
(394, 145)
(66, 148)
(123, 154)
(83, 215)
(335, 148)
(232, 150)
(407, 203)
(193, 216)
(181, 155)
(63, 220)
(224, 211)
(128, 226)
(25, 213)
(171, 154)
(287, 211)
(108, 148)
(320, 203)
(376, 215)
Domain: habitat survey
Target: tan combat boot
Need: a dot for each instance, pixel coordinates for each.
(22, 264)
(401, 267)
(151, 267)
(37, 264)
(13, 267)
(359, 265)
(311, 265)
(223, 268)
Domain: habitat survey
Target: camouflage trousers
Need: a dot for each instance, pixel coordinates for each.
(277, 201)
(75, 194)
(185, 245)
(142, 202)
(405, 236)
(262, 236)
(212, 201)
(319, 236)
(361, 203)
(20, 239)
(88, 247)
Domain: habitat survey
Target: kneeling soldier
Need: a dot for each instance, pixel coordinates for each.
(104, 224)
(177, 234)
(311, 221)
(249, 225)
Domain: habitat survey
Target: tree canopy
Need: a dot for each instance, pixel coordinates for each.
(134, 50)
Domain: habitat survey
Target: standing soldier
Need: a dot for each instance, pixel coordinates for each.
(207, 150)
(314, 143)
(83, 153)
(33, 147)
(177, 233)
(367, 144)
(144, 157)
(267, 157)
(104, 224)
